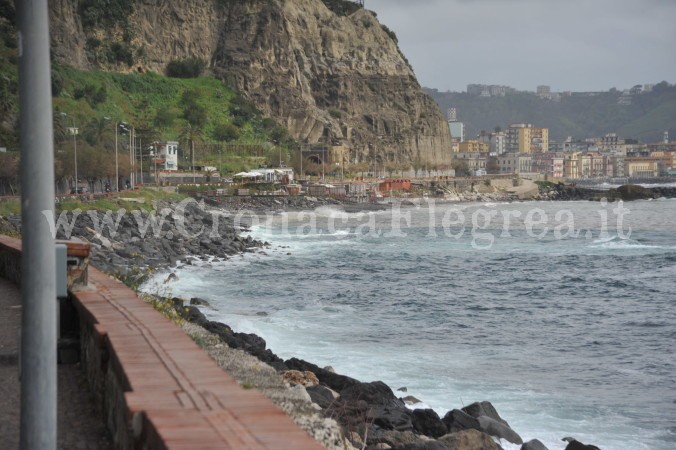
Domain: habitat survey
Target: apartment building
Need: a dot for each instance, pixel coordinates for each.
(525, 138)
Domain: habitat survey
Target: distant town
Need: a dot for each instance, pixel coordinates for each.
(526, 149)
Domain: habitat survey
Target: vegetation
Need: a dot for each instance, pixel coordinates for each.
(342, 7)
(186, 68)
(648, 116)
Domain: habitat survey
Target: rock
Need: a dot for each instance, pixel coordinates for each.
(499, 430)
(172, 277)
(533, 444)
(634, 192)
(294, 377)
(322, 395)
(392, 438)
(574, 444)
(194, 315)
(411, 400)
(457, 420)
(468, 440)
(402, 389)
(335, 381)
(330, 369)
(427, 422)
(427, 445)
(484, 409)
(199, 302)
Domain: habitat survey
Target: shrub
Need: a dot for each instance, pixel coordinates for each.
(186, 68)
(226, 132)
(120, 53)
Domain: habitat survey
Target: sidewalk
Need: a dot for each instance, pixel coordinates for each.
(79, 424)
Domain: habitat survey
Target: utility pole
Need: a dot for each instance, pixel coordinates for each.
(117, 175)
(38, 259)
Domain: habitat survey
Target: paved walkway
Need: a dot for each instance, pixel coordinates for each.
(79, 424)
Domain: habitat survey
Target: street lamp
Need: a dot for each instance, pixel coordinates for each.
(117, 166)
(130, 129)
(73, 131)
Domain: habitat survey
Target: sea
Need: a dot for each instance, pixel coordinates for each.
(561, 314)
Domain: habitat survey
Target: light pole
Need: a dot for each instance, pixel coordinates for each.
(73, 131)
(117, 166)
(130, 129)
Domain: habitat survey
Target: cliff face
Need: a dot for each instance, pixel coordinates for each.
(328, 78)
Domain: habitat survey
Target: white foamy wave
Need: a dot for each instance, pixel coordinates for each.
(616, 242)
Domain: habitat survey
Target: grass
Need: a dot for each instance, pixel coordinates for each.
(10, 207)
(113, 204)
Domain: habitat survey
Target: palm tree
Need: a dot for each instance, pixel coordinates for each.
(189, 134)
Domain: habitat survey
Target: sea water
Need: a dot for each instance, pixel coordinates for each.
(562, 314)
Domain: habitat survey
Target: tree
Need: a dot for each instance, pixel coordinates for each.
(493, 165)
(190, 134)
(462, 169)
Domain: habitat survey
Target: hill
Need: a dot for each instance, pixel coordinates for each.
(579, 115)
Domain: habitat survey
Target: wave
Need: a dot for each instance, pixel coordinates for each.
(617, 242)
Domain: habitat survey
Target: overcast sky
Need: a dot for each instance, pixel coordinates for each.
(570, 45)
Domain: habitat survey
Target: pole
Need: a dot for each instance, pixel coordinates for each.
(75, 148)
(117, 175)
(38, 264)
(192, 148)
(131, 160)
(301, 161)
(140, 150)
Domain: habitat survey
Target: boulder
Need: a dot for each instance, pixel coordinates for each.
(322, 395)
(199, 302)
(392, 438)
(428, 422)
(294, 377)
(457, 420)
(634, 192)
(499, 430)
(574, 444)
(333, 380)
(468, 440)
(411, 400)
(427, 445)
(484, 409)
(534, 444)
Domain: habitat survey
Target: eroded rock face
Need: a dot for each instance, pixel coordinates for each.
(327, 78)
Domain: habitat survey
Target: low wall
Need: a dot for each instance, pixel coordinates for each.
(156, 388)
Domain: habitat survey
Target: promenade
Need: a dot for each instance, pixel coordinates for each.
(80, 424)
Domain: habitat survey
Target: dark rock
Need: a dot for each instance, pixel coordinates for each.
(457, 420)
(534, 444)
(427, 445)
(194, 315)
(384, 408)
(574, 444)
(402, 389)
(322, 395)
(499, 430)
(484, 409)
(428, 422)
(411, 400)
(199, 302)
(634, 192)
(333, 380)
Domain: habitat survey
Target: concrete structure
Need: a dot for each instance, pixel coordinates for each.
(524, 138)
(166, 155)
(473, 146)
(549, 164)
(571, 169)
(641, 167)
(457, 130)
(515, 163)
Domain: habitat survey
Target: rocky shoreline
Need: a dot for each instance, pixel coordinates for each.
(370, 415)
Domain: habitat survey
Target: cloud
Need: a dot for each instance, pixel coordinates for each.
(571, 45)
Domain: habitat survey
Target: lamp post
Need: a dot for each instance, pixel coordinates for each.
(73, 131)
(130, 129)
(117, 166)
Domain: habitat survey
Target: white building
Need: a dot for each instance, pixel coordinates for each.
(457, 130)
(166, 155)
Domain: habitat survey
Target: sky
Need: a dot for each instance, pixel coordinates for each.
(570, 45)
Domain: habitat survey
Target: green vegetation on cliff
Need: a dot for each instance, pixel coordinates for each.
(227, 131)
(578, 115)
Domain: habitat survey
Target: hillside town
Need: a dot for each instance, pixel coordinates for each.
(527, 150)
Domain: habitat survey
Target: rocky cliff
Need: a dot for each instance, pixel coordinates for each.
(328, 77)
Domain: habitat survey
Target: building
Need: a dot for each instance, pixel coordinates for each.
(641, 167)
(543, 91)
(525, 138)
(549, 164)
(166, 155)
(476, 161)
(457, 130)
(515, 163)
(473, 146)
(571, 166)
(282, 175)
